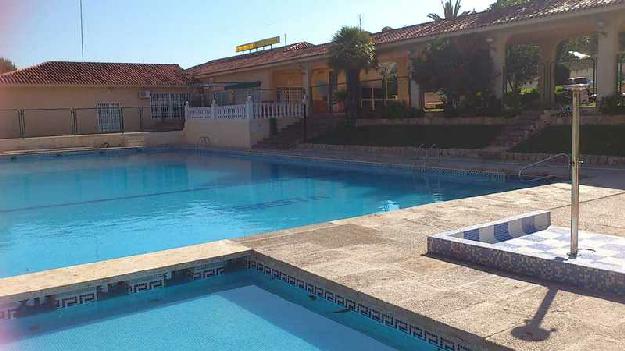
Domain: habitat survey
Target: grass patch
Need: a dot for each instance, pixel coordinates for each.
(446, 137)
(594, 140)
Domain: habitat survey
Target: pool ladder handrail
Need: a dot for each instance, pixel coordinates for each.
(433, 147)
(418, 151)
(538, 163)
(203, 141)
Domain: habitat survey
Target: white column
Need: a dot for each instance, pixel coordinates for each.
(607, 58)
(547, 83)
(415, 94)
(498, 56)
(249, 105)
(306, 82)
(413, 85)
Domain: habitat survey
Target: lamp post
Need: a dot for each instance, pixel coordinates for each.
(576, 91)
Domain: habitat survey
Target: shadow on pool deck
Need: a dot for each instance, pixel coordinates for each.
(533, 331)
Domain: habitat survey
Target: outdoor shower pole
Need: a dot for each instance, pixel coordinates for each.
(576, 91)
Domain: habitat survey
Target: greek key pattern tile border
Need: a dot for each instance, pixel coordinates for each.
(75, 297)
(383, 317)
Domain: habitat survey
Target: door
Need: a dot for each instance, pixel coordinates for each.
(109, 117)
(332, 88)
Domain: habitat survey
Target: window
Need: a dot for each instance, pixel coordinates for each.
(168, 105)
(236, 96)
(290, 94)
(109, 117)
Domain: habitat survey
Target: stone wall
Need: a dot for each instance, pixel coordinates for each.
(487, 121)
(410, 151)
(93, 141)
(434, 121)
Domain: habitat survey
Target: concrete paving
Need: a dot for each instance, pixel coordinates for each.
(384, 256)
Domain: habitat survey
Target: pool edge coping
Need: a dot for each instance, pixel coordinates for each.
(89, 275)
(63, 281)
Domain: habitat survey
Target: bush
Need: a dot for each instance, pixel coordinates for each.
(530, 99)
(475, 105)
(612, 105)
(395, 110)
(563, 96)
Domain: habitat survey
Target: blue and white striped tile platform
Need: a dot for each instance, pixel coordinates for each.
(529, 245)
(595, 250)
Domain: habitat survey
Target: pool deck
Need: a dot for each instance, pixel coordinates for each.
(384, 256)
(55, 281)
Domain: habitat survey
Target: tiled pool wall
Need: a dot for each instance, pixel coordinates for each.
(78, 295)
(385, 314)
(485, 246)
(359, 165)
(395, 318)
(491, 175)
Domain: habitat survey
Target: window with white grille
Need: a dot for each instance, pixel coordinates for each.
(168, 105)
(293, 95)
(109, 117)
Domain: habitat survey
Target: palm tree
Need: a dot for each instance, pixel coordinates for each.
(451, 10)
(6, 65)
(352, 51)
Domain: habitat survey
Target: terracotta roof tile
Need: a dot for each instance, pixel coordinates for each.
(98, 74)
(519, 13)
(512, 14)
(294, 51)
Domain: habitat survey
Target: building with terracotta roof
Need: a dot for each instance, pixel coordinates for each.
(60, 97)
(104, 96)
(303, 67)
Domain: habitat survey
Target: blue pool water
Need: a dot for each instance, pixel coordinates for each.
(231, 312)
(60, 211)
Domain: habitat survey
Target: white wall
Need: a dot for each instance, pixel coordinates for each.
(235, 133)
(92, 141)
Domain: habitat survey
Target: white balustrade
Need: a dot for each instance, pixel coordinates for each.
(249, 110)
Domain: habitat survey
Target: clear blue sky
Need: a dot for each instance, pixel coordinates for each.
(187, 32)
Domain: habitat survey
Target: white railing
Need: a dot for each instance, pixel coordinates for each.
(277, 110)
(249, 110)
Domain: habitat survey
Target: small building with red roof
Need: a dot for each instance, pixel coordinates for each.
(61, 97)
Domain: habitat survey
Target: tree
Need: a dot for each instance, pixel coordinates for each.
(352, 51)
(451, 10)
(6, 65)
(521, 66)
(505, 3)
(458, 68)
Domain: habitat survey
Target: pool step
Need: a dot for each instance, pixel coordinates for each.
(290, 136)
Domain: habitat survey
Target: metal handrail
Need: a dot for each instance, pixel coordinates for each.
(550, 158)
(203, 141)
(431, 148)
(418, 151)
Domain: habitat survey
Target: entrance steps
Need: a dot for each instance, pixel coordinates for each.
(290, 136)
(524, 126)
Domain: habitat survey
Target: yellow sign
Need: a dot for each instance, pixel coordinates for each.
(258, 44)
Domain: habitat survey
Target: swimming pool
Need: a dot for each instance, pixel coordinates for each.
(235, 311)
(73, 209)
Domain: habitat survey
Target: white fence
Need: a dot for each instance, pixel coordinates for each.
(249, 110)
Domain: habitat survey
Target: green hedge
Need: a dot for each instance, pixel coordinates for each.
(446, 137)
(594, 140)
